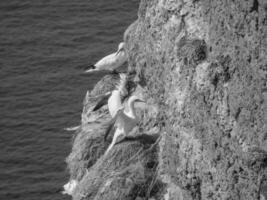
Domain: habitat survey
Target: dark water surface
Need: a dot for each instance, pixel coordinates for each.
(43, 46)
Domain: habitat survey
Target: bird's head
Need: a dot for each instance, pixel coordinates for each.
(120, 47)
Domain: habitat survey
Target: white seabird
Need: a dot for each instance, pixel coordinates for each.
(70, 187)
(114, 98)
(110, 62)
(125, 121)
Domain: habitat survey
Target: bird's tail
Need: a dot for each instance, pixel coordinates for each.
(121, 87)
(90, 68)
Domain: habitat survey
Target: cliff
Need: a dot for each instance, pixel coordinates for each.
(202, 66)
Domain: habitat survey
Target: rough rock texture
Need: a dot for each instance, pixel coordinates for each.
(202, 65)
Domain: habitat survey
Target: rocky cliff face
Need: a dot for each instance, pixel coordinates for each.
(202, 65)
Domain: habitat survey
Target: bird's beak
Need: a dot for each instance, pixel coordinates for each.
(118, 51)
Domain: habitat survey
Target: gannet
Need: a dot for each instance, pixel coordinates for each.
(114, 98)
(125, 121)
(110, 62)
(70, 187)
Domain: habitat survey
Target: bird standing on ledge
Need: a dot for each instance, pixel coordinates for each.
(125, 121)
(110, 62)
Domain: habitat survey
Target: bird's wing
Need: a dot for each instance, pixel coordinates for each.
(103, 101)
(120, 118)
(113, 122)
(112, 61)
(121, 58)
(114, 102)
(90, 67)
(125, 122)
(106, 62)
